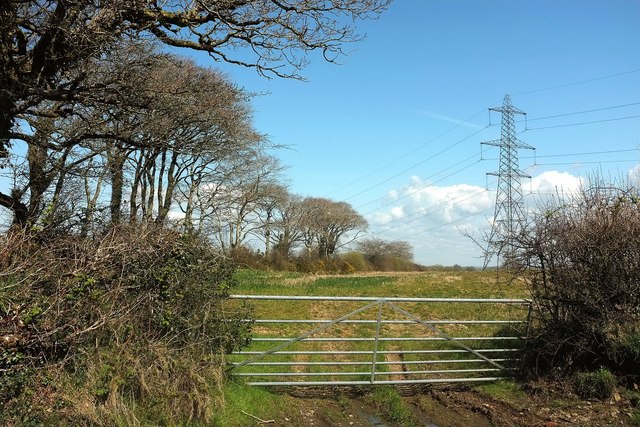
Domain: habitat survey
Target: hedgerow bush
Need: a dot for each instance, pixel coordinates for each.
(581, 256)
(126, 318)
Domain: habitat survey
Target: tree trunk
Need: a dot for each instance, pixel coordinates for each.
(92, 202)
(57, 192)
(172, 180)
(188, 212)
(19, 209)
(39, 179)
(151, 181)
(7, 106)
(133, 197)
(116, 171)
(163, 164)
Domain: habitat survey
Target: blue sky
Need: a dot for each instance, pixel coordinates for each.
(393, 130)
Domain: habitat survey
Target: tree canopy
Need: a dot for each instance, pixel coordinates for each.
(45, 45)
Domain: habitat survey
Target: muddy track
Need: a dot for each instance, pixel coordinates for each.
(451, 406)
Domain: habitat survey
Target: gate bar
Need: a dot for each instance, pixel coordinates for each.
(447, 336)
(274, 339)
(306, 335)
(376, 299)
(342, 352)
(378, 382)
(403, 322)
(375, 345)
(361, 363)
(328, 374)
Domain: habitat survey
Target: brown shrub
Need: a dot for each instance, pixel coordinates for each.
(582, 258)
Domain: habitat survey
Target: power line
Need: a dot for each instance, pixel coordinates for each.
(441, 206)
(409, 187)
(526, 157)
(586, 153)
(446, 224)
(583, 123)
(414, 191)
(452, 202)
(432, 209)
(588, 163)
(610, 76)
(579, 112)
(462, 123)
(580, 162)
(457, 219)
(417, 164)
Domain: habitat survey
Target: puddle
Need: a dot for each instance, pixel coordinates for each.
(378, 422)
(375, 421)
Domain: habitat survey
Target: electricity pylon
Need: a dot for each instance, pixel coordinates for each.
(509, 216)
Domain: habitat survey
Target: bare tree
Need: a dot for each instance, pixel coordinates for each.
(176, 118)
(198, 118)
(58, 140)
(269, 206)
(325, 222)
(46, 45)
(240, 201)
(286, 227)
(375, 248)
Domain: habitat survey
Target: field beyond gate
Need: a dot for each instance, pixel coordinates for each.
(443, 329)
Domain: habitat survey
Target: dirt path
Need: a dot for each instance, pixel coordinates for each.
(450, 406)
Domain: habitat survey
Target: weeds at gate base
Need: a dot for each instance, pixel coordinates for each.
(598, 384)
(391, 406)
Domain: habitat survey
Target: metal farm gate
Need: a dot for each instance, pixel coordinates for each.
(347, 341)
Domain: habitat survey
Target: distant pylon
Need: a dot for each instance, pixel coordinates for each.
(509, 215)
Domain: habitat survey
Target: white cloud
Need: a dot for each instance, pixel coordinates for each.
(397, 212)
(556, 183)
(442, 210)
(634, 175)
(432, 217)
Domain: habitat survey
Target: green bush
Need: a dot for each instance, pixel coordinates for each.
(123, 320)
(598, 384)
(356, 260)
(246, 257)
(625, 351)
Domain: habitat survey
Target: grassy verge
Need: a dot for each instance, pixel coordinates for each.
(243, 405)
